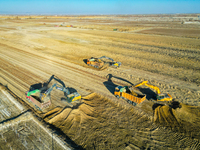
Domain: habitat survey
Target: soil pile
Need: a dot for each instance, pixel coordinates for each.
(164, 115)
(98, 123)
(182, 117)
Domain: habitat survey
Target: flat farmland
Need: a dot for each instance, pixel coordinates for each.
(164, 50)
(188, 33)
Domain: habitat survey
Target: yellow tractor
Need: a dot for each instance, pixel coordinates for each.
(160, 96)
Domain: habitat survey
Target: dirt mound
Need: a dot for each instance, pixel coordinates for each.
(98, 123)
(185, 118)
(165, 116)
(72, 121)
(90, 96)
(69, 120)
(188, 113)
(52, 113)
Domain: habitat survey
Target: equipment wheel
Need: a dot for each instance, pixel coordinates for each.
(134, 104)
(117, 96)
(38, 108)
(130, 102)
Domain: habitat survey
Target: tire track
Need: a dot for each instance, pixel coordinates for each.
(42, 69)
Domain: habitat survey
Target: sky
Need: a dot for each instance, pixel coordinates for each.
(98, 7)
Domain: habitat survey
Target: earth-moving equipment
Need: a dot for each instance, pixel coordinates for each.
(41, 97)
(99, 63)
(132, 96)
(95, 62)
(129, 93)
(160, 96)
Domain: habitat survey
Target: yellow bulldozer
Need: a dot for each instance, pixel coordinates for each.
(160, 96)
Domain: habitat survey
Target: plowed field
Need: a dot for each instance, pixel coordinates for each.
(32, 50)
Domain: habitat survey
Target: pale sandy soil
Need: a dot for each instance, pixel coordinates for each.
(100, 124)
(32, 50)
(20, 129)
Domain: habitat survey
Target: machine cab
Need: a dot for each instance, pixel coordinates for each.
(117, 89)
(164, 97)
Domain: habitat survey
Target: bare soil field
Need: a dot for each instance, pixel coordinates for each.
(189, 33)
(160, 49)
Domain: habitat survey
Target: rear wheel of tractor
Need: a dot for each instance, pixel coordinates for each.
(38, 108)
(134, 104)
(117, 96)
(130, 102)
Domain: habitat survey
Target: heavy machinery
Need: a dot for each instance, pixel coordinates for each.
(41, 97)
(132, 96)
(99, 63)
(160, 96)
(95, 62)
(36, 97)
(129, 93)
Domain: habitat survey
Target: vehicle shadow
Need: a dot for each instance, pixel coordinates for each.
(71, 90)
(85, 61)
(43, 86)
(56, 79)
(36, 86)
(110, 76)
(172, 104)
(110, 85)
(150, 94)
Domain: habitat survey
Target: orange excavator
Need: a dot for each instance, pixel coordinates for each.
(99, 62)
(160, 96)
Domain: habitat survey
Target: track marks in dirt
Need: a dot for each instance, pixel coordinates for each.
(164, 115)
(98, 123)
(184, 119)
(152, 56)
(165, 60)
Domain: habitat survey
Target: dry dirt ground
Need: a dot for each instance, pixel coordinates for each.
(20, 129)
(161, 49)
